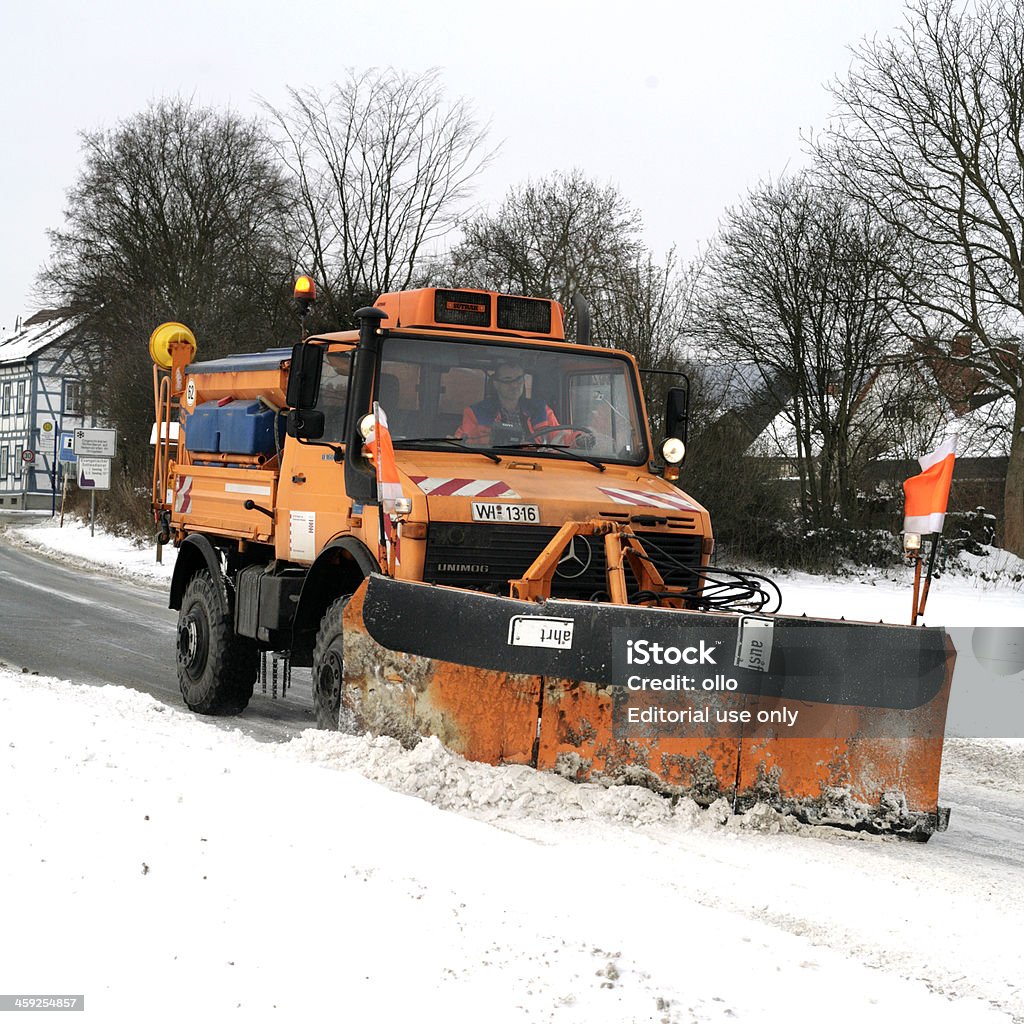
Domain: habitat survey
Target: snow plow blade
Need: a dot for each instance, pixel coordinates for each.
(836, 722)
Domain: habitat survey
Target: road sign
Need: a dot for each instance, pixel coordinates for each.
(94, 474)
(66, 452)
(99, 444)
(175, 428)
(28, 455)
(47, 433)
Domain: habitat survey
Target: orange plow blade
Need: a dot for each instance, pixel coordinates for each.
(837, 723)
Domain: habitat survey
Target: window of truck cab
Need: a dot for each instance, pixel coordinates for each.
(425, 385)
(333, 398)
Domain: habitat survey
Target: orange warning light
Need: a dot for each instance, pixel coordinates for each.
(305, 288)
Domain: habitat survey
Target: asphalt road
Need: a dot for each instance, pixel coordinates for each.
(59, 620)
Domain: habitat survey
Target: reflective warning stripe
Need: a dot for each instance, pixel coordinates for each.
(248, 489)
(183, 499)
(463, 487)
(653, 499)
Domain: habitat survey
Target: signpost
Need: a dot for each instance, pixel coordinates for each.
(48, 443)
(93, 448)
(94, 474)
(95, 442)
(67, 447)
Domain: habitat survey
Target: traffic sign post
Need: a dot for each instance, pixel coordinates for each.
(93, 475)
(67, 447)
(48, 433)
(95, 442)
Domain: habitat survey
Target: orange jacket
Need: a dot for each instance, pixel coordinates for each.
(478, 419)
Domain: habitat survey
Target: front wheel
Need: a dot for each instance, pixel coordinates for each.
(216, 668)
(329, 667)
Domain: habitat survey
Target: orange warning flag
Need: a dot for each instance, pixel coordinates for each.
(382, 455)
(927, 494)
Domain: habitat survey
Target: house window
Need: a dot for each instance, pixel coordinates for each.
(7, 400)
(3, 463)
(21, 398)
(16, 459)
(73, 397)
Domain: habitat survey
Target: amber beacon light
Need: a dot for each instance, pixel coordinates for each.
(305, 289)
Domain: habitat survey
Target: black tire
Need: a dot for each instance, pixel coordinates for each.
(329, 667)
(216, 668)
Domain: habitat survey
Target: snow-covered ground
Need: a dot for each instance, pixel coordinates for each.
(169, 868)
(954, 600)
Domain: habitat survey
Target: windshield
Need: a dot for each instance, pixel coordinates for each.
(501, 398)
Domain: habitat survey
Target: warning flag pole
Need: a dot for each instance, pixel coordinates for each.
(389, 489)
(936, 540)
(382, 540)
(917, 587)
(926, 497)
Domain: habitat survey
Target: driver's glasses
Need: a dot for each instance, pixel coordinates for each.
(510, 380)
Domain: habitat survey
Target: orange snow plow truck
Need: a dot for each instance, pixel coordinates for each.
(523, 579)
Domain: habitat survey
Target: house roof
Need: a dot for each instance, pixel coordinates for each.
(34, 335)
(981, 432)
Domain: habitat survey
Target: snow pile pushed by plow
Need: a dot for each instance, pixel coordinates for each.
(514, 793)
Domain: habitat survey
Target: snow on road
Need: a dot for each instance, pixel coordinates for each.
(164, 868)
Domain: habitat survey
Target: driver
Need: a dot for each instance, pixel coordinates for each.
(516, 417)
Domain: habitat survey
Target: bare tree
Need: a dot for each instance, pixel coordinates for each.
(553, 237)
(382, 165)
(648, 309)
(566, 234)
(929, 136)
(797, 286)
(176, 215)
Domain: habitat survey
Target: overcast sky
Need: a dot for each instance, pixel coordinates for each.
(681, 105)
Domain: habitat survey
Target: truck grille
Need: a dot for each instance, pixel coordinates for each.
(485, 557)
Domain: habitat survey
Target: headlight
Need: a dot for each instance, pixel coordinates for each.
(673, 450)
(911, 542)
(403, 506)
(366, 425)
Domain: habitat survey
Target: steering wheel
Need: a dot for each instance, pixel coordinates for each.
(541, 431)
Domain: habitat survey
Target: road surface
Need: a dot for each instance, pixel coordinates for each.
(71, 623)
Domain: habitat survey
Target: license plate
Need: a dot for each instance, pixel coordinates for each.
(537, 631)
(754, 643)
(496, 512)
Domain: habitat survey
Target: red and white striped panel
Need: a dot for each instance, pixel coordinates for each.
(462, 487)
(183, 499)
(653, 499)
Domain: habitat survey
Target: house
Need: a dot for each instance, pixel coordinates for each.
(41, 396)
(906, 406)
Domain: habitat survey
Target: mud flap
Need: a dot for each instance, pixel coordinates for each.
(871, 699)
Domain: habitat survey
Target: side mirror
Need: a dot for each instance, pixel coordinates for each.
(304, 377)
(305, 423)
(677, 412)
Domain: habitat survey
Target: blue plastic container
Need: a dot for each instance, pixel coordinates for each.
(203, 428)
(247, 428)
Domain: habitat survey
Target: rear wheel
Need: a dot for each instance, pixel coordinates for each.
(216, 668)
(329, 667)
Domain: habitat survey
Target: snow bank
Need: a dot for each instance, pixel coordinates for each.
(72, 543)
(166, 867)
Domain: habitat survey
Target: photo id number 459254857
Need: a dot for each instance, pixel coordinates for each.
(41, 1002)
(499, 512)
